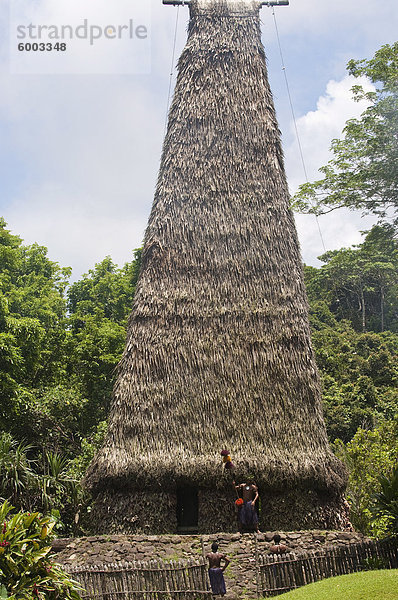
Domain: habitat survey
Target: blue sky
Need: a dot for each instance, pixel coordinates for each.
(80, 152)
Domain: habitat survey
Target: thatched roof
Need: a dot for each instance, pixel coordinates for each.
(218, 351)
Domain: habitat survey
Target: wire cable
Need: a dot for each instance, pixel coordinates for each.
(171, 70)
(294, 119)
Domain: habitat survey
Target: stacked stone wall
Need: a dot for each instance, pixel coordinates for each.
(242, 549)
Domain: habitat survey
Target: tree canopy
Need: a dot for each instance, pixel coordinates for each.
(363, 171)
(59, 345)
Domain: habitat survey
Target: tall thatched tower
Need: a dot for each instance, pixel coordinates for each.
(218, 352)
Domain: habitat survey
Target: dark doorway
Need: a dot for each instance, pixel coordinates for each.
(187, 510)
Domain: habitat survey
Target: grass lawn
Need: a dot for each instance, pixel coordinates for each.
(369, 585)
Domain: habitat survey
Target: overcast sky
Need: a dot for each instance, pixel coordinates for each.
(80, 152)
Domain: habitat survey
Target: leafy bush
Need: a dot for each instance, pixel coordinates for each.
(26, 567)
(367, 456)
(44, 483)
(385, 502)
(17, 476)
(374, 564)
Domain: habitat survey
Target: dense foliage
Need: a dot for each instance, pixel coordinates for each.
(372, 454)
(353, 297)
(354, 328)
(354, 320)
(26, 567)
(59, 345)
(385, 502)
(363, 171)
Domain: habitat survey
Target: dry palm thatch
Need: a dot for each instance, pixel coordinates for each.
(218, 350)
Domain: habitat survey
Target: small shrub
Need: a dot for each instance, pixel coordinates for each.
(385, 502)
(27, 570)
(374, 564)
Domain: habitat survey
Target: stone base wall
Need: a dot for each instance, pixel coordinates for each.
(240, 576)
(146, 512)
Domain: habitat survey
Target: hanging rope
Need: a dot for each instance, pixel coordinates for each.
(171, 70)
(294, 119)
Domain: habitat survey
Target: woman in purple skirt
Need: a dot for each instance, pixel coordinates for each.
(216, 571)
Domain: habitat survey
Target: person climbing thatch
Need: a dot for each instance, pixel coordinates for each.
(218, 351)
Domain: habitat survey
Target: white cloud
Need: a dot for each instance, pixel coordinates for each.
(316, 129)
(330, 232)
(90, 148)
(77, 231)
(92, 151)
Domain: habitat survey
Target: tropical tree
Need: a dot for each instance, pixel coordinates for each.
(363, 171)
(58, 350)
(32, 325)
(105, 291)
(359, 374)
(99, 305)
(360, 283)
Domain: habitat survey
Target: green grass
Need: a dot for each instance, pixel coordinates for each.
(370, 585)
